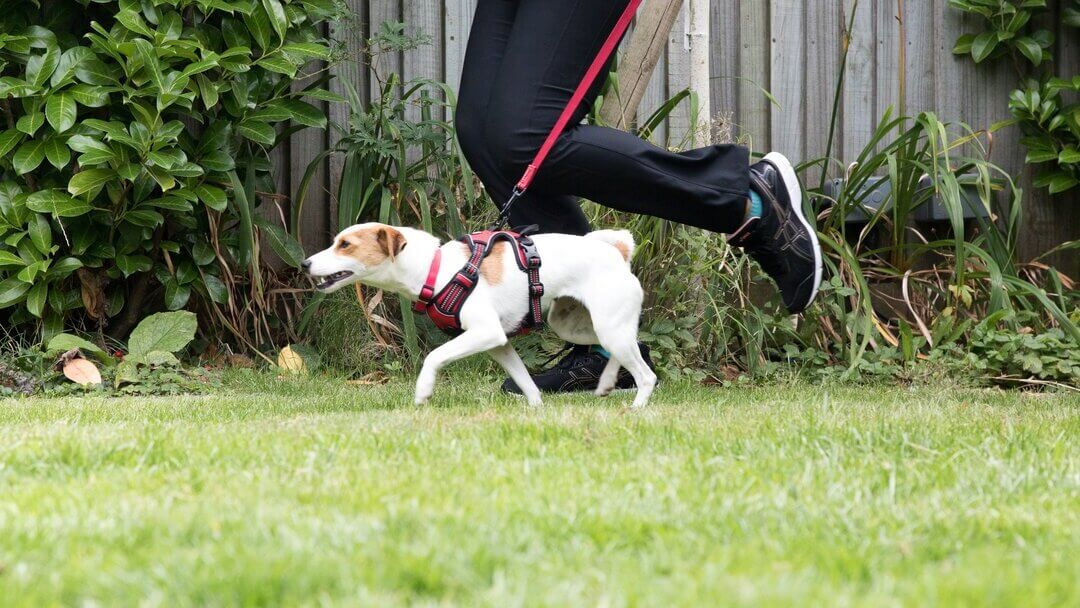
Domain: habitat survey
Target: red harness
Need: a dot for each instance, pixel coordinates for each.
(444, 307)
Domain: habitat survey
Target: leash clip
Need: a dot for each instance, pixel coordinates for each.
(504, 215)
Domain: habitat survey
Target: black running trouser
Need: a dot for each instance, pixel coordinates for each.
(525, 59)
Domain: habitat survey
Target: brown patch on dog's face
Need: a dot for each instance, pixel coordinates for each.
(492, 266)
(624, 250)
(371, 245)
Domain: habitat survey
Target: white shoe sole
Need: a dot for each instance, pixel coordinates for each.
(791, 182)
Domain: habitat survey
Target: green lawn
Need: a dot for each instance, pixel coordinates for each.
(313, 492)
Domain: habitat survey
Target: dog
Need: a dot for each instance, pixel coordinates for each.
(591, 296)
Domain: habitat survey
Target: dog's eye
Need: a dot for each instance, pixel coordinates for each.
(343, 245)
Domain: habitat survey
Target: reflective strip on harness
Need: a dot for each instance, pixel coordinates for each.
(444, 307)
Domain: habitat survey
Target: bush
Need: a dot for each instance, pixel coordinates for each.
(1051, 126)
(134, 137)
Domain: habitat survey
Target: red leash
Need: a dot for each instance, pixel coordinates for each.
(587, 82)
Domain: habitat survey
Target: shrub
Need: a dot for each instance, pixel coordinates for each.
(134, 136)
(1051, 126)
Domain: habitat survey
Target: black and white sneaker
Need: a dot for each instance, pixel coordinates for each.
(782, 241)
(578, 371)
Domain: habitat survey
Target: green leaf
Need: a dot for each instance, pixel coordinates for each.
(307, 49)
(258, 24)
(40, 233)
(29, 156)
(144, 217)
(93, 151)
(68, 63)
(1062, 182)
(90, 96)
(216, 289)
(281, 242)
(279, 64)
(176, 295)
(278, 20)
(983, 46)
(30, 123)
(61, 343)
(258, 132)
(132, 21)
(96, 72)
(10, 259)
(35, 298)
(130, 264)
(168, 332)
(12, 292)
(212, 197)
(57, 152)
(40, 67)
(58, 203)
(8, 140)
(1030, 49)
(303, 113)
(89, 179)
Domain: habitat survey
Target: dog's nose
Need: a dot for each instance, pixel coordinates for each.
(306, 264)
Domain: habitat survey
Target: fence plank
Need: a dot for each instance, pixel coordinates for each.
(755, 67)
(823, 27)
(380, 12)
(859, 102)
(724, 22)
(678, 79)
(457, 20)
(788, 82)
(350, 73)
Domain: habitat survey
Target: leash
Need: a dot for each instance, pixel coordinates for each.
(572, 106)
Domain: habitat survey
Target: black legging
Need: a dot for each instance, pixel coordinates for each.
(524, 60)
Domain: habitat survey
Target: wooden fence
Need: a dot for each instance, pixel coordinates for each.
(901, 56)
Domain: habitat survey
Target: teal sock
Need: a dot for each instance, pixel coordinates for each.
(602, 351)
(756, 206)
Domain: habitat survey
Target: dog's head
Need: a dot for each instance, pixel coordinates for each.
(358, 253)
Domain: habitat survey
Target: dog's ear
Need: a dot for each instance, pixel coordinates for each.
(391, 241)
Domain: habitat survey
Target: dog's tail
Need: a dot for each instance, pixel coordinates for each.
(619, 239)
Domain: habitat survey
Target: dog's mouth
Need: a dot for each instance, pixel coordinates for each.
(332, 279)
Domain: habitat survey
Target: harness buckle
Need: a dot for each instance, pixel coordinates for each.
(537, 290)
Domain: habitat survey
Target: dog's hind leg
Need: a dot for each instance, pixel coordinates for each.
(608, 378)
(510, 361)
(615, 313)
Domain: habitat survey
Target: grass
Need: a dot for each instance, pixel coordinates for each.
(313, 492)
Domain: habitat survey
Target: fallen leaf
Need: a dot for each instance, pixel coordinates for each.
(82, 372)
(291, 361)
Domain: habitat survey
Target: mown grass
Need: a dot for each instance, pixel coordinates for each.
(313, 492)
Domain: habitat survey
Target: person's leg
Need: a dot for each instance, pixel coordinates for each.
(550, 46)
(491, 31)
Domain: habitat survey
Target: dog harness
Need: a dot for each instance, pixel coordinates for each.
(444, 307)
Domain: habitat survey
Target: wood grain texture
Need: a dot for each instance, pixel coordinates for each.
(678, 78)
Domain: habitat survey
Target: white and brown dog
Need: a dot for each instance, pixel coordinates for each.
(590, 295)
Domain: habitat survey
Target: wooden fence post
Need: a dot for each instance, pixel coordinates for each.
(654, 23)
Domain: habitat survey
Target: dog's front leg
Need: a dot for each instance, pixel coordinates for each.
(473, 341)
(510, 361)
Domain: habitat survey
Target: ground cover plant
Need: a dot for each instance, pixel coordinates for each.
(310, 490)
